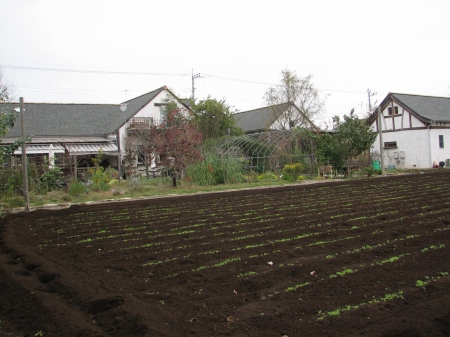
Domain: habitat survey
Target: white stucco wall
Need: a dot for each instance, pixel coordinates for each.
(413, 143)
(419, 143)
(150, 110)
(440, 154)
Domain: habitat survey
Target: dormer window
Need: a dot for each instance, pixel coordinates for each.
(393, 110)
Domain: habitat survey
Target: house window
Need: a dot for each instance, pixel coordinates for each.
(441, 141)
(162, 110)
(392, 110)
(390, 145)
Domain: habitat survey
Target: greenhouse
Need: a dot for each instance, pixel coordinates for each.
(269, 151)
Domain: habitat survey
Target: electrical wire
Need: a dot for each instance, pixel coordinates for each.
(106, 92)
(108, 72)
(8, 66)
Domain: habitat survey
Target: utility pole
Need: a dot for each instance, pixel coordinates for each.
(380, 134)
(123, 108)
(193, 87)
(370, 94)
(24, 158)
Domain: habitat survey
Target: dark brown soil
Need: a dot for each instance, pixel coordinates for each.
(353, 258)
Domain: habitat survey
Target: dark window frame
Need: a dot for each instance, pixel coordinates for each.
(392, 110)
(441, 141)
(390, 145)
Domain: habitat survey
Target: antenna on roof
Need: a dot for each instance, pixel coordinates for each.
(370, 94)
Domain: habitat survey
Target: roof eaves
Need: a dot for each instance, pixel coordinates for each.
(135, 98)
(391, 96)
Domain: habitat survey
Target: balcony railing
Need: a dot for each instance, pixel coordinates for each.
(142, 123)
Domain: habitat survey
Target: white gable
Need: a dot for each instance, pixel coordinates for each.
(396, 117)
(155, 108)
(409, 142)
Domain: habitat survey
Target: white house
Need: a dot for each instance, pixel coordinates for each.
(415, 130)
(80, 130)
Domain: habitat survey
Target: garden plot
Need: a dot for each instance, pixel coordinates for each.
(363, 257)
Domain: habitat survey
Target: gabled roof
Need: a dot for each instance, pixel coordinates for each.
(72, 120)
(136, 104)
(263, 118)
(259, 119)
(426, 108)
(431, 108)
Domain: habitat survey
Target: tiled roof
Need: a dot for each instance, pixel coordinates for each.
(431, 108)
(44, 119)
(136, 104)
(71, 120)
(259, 119)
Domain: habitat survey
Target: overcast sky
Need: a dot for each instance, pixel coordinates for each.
(109, 51)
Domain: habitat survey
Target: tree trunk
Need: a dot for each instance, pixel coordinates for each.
(174, 179)
(147, 173)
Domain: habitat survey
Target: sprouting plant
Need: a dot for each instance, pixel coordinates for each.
(249, 273)
(295, 287)
(338, 311)
(341, 273)
(421, 284)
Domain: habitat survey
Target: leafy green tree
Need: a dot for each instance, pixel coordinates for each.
(5, 90)
(300, 91)
(215, 118)
(7, 119)
(350, 138)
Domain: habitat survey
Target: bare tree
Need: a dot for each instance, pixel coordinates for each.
(130, 145)
(299, 91)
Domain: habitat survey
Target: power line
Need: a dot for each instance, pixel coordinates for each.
(91, 71)
(108, 72)
(274, 84)
(106, 92)
(237, 80)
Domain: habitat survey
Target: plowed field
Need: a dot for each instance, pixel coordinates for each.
(362, 257)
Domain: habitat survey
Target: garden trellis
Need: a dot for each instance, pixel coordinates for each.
(270, 150)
